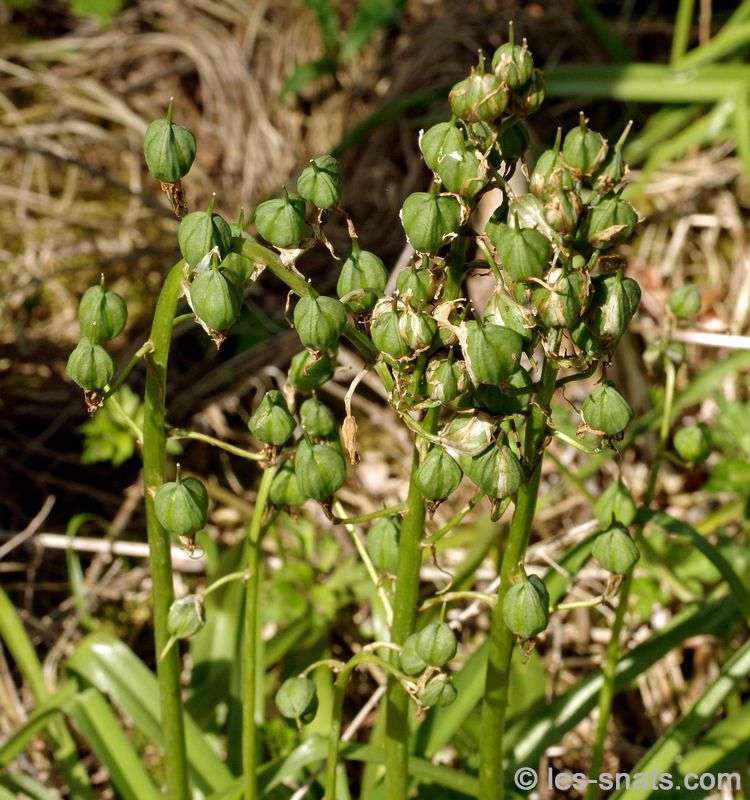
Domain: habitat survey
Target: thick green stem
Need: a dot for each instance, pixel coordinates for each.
(606, 696)
(495, 704)
(154, 466)
(250, 673)
(404, 619)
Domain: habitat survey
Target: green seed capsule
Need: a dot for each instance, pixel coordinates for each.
(446, 379)
(411, 662)
(90, 366)
(308, 372)
(497, 471)
(320, 469)
(445, 137)
(491, 352)
(202, 231)
(528, 99)
(362, 280)
(615, 504)
(693, 443)
(102, 314)
(614, 301)
(428, 219)
(460, 167)
(562, 212)
(317, 419)
(584, 150)
(550, 177)
(281, 221)
(479, 98)
(562, 306)
(385, 335)
(526, 607)
(169, 149)
(285, 491)
(437, 644)
(513, 141)
(416, 329)
(185, 617)
(513, 64)
(505, 311)
(611, 221)
(382, 544)
(272, 423)
(498, 402)
(321, 183)
(319, 321)
(615, 550)
(684, 301)
(469, 433)
(297, 699)
(418, 283)
(216, 299)
(523, 252)
(587, 342)
(439, 475)
(439, 692)
(181, 506)
(605, 411)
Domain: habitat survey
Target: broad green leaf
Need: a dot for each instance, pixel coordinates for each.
(103, 734)
(108, 664)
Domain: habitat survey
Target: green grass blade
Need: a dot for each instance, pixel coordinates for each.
(14, 635)
(729, 40)
(546, 725)
(661, 126)
(675, 741)
(75, 572)
(604, 32)
(742, 128)
(36, 722)
(712, 553)
(681, 34)
(23, 786)
(109, 665)
(740, 14)
(102, 732)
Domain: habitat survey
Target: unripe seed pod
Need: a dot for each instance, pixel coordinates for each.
(320, 469)
(611, 221)
(320, 183)
(605, 411)
(297, 699)
(611, 172)
(457, 162)
(614, 301)
(469, 433)
(498, 402)
(185, 617)
(385, 335)
(416, 329)
(446, 379)
(505, 311)
(491, 352)
(418, 283)
(480, 97)
(550, 176)
(319, 321)
(90, 366)
(561, 307)
(615, 504)
(281, 221)
(317, 419)
(439, 692)
(497, 471)
(528, 98)
(526, 607)
(382, 544)
(435, 142)
(562, 212)
(684, 301)
(513, 64)
(169, 149)
(102, 314)
(202, 231)
(181, 506)
(427, 219)
(308, 373)
(438, 475)
(285, 491)
(513, 141)
(362, 280)
(693, 443)
(272, 423)
(523, 252)
(615, 550)
(584, 150)
(437, 644)
(587, 342)
(411, 662)
(215, 299)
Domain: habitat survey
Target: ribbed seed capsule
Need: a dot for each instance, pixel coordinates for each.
(418, 283)
(181, 506)
(411, 662)
(497, 471)
(584, 150)
(439, 475)
(615, 504)
(684, 301)
(446, 379)
(428, 219)
(523, 252)
(498, 401)
(491, 352)
(693, 443)
(309, 371)
(615, 550)
(614, 301)
(526, 607)
(611, 221)
(321, 183)
(386, 336)
(317, 419)
(505, 311)
(437, 644)
(469, 433)
(362, 280)
(169, 149)
(481, 97)
(528, 99)
(320, 469)
(439, 692)
(513, 64)
(561, 305)
(285, 491)
(281, 221)
(382, 544)
(186, 617)
(319, 321)
(605, 411)
(550, 176)
(201, 232)
(272, 423)
(90, 366)
(216, 299)
(513, 141)
(416, 329)
(297, 699)
(102, 314)
(457, 162)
